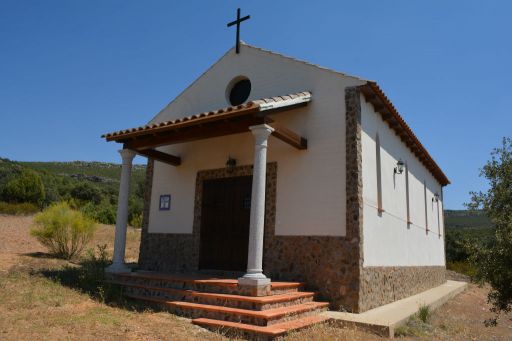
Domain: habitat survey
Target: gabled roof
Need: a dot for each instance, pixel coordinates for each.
(371, 90)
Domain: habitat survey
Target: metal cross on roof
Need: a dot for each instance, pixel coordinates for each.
(237, 22)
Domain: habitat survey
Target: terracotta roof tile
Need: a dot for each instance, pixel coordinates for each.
(292, 99)
(402, 129)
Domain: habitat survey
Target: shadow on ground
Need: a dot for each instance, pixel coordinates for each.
(43, 255)
(88, 276)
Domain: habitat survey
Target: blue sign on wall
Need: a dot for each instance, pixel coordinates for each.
(165, 202)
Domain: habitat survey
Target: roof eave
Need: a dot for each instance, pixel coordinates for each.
(415, 145)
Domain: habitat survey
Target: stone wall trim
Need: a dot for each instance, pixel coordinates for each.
(383, 285)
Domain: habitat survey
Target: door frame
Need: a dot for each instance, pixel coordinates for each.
(270, 200)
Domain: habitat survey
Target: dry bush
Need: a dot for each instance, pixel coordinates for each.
(64, 231)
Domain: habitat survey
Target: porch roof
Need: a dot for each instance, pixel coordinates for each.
(226, 121)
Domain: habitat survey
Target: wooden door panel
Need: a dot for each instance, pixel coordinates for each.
(225, 217)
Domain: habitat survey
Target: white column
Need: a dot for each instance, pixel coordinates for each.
(118, 264)
(254, 275)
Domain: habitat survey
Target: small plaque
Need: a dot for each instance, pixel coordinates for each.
(165, 202)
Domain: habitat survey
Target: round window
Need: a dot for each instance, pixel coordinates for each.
(239, 92)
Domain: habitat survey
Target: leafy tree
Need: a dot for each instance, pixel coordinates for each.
(103, 213)
(25, 187)
(494, 265)
(86, 192)
(456, 250)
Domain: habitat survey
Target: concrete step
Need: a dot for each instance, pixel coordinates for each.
(254, 317)
(226, 300)
(260, 333)
(197, 282)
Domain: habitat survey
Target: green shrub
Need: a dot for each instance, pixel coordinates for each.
(103, 213)
(465, 268)
(86, 192)
(136, 221)
(424, 313)
(25, 187)
(64, 231)
(106, 214)
(18, 209)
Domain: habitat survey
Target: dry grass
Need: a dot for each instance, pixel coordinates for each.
(35, 307)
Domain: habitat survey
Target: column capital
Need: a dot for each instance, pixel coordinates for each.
(261, 132)
(127, 155)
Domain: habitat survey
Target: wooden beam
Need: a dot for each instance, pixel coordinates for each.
(160, 156)
(219, 115)
(290, 137)
(218, 128)
(377, 107)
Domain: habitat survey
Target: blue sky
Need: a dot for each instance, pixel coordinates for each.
(72, 70)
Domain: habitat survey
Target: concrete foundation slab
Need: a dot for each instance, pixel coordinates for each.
(385, 319)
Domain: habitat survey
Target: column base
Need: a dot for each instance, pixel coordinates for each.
(117, 268)
(255, 285)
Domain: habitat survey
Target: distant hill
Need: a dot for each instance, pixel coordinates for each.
(90, 186)
(104, 175)
(466, 219)
(103, 171)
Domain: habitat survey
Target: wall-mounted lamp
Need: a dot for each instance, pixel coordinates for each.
(399, 169)
(230, 164)
(436, 197)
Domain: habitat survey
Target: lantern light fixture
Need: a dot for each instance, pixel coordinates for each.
(399, 169)
(436, 197)
(230, 164)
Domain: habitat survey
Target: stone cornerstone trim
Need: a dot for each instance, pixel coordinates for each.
(145, 213)
(354, 188)
(376, 285)
(331, 265)
(382, 285)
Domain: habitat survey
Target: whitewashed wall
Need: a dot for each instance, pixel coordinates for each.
(310, 184)
(388, 239)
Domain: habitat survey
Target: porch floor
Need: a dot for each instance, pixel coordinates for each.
(202, 278)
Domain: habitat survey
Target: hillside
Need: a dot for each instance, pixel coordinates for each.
(466, 219)
(102, 170)
(101, 173)
(466, 228)
(89, 186)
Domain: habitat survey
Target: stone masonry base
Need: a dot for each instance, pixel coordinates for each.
(382, 285)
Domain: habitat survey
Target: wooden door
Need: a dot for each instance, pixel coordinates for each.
(225, 216)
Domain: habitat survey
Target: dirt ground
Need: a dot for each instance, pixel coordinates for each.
(35, 307)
